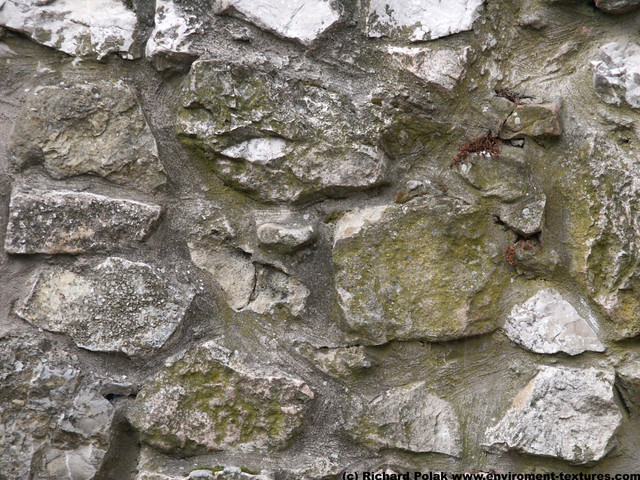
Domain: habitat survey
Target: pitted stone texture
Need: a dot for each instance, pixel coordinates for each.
(75, 222)
(119, 306)
(443, 68)
(54, 423)
(408, 418)
(617, 74)
(421, 270)
(84, 28)
(419, 20)
(170, 41)
(302, 20)
(547, 323)
(278, 139)
(97, 129)
(534, 120)
(206, 400)
(618, 6)
(525, 216)
(566, 413)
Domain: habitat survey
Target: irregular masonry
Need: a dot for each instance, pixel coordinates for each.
(277, 138)
(205, 399)
(420, 270)
(547, 323)
(75, 222)
(54, 423)
(408, 418)
(117, 306)
(96, 129)
(567, 413)
(88, 28)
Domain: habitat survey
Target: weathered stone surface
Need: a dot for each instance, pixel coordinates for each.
(89, 28)
(277, 138)
(420, 20)
(75, 222)
(501, 177)
(541, 120)
(285, 237)
(617, 6)
(171, 38)
(338, 362)
(628, 377)
(54, 423)
(97, 129)
(443, 68)
(525, 216)
(420, 270)
(248, 285)
(408, 418)
(617, 74)
(118, 306)
(566, 413)
(206, 399)
(547, 323)
(302, 20)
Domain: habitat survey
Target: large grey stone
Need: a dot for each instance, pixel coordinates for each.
(207, 400)
(118, 306)
(302, 20)
(85, 28)
(278, 138)
(421, 270)
(96, 128)
(408, 418)
(54, 423)
(617, 74)
(547, 323)
(567, 413)
(419, 20)
(75, 222)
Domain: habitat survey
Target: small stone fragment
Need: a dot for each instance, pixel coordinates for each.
(119, 306)
(170, 41)
(547, 323)
(285, 237)
(502, 177)
(97, 129)
(566, 413)
(419, 21)
(444, 68)
(616, 74)
(75, 222)
(525, 216)
(537, 121)
(54, 424)
(408, 418)
(274, 288)
(88, 28)
(338, 362)
(418, 270)
(302, 20)
(206, 400)
(617, 6)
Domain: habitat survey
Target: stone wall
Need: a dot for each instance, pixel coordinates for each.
(259, 239)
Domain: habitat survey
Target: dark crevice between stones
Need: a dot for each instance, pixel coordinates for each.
(619, 395)
(121, 460)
